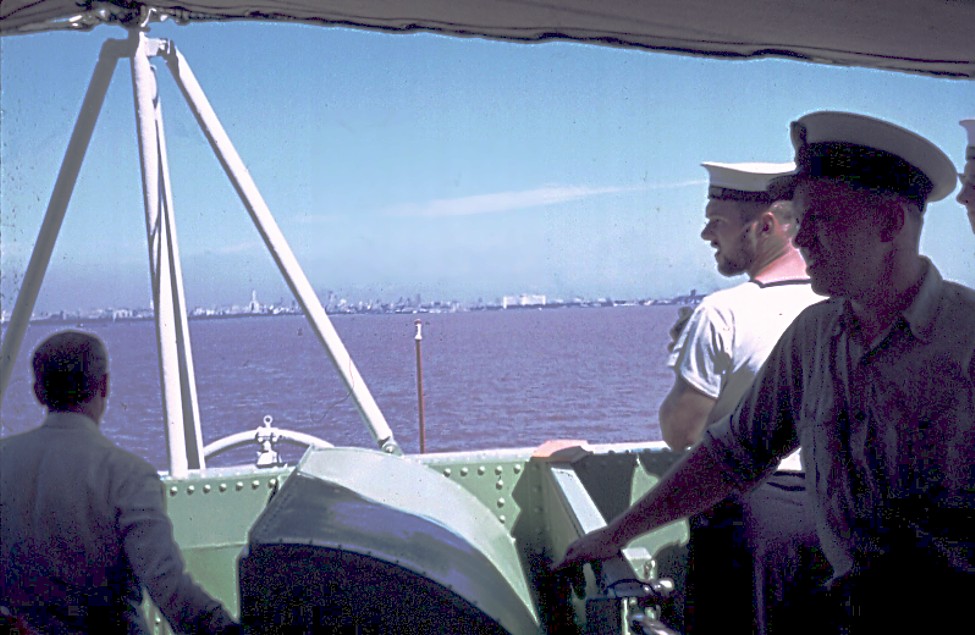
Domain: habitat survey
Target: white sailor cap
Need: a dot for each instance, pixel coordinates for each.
(969, 126)
(871, 153)
(757, 182)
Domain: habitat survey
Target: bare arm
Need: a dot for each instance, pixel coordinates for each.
(694, 484)
(684, 414)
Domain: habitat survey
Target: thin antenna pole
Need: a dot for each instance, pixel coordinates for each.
(419, 384)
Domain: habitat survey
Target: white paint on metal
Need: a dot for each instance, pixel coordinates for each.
(146, 95)
(189, 404)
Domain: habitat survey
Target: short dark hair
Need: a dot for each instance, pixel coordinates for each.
(783, 209)
(69, 367)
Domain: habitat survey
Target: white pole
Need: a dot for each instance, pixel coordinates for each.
(41, 256)
(280, 250)
(193, 434)
(146, 94)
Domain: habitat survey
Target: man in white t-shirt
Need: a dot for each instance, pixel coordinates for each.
(728, 336)
(749, 569)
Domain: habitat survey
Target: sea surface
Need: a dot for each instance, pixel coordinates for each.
(491, 379)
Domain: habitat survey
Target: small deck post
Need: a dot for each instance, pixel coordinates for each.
(419, 384)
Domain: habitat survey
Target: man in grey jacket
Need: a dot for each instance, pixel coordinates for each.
(84, 528)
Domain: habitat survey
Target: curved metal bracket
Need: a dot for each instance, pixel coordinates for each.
(266, 437)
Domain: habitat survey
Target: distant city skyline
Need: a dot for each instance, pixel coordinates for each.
(337, 304)
(454, 168)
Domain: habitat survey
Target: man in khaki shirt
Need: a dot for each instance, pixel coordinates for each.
(877, 384)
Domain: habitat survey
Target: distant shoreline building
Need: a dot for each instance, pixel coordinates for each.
(254, 306)
(523, 300)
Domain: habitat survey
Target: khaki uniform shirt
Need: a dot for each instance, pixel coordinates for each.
(887, 430)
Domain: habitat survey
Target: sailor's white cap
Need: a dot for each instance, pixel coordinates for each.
(747, 181)
(871, 153)
(969, 126)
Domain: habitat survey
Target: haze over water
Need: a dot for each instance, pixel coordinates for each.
(491, 379)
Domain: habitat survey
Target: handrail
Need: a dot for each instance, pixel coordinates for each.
(265, 436)
(240, 439)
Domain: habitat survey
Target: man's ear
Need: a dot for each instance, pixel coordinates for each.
(766, 223)
(892, 219)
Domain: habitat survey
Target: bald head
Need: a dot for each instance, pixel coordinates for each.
(70, 371)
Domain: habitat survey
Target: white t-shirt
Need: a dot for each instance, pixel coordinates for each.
(731, 333)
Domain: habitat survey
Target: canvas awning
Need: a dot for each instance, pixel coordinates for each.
(935, 37)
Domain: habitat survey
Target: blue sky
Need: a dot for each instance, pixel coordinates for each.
(396, 165)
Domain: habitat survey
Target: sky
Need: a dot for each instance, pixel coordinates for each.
(398, 165)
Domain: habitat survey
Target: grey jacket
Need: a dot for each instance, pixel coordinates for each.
(84, 530)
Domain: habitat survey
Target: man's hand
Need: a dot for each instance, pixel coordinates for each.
(683, 316)
(596, 545)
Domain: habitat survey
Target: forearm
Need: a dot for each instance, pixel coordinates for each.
(694, 484)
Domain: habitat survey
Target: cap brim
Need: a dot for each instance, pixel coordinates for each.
(784, 187)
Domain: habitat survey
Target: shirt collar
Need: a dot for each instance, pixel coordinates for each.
(62, 420)
(920, 314)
